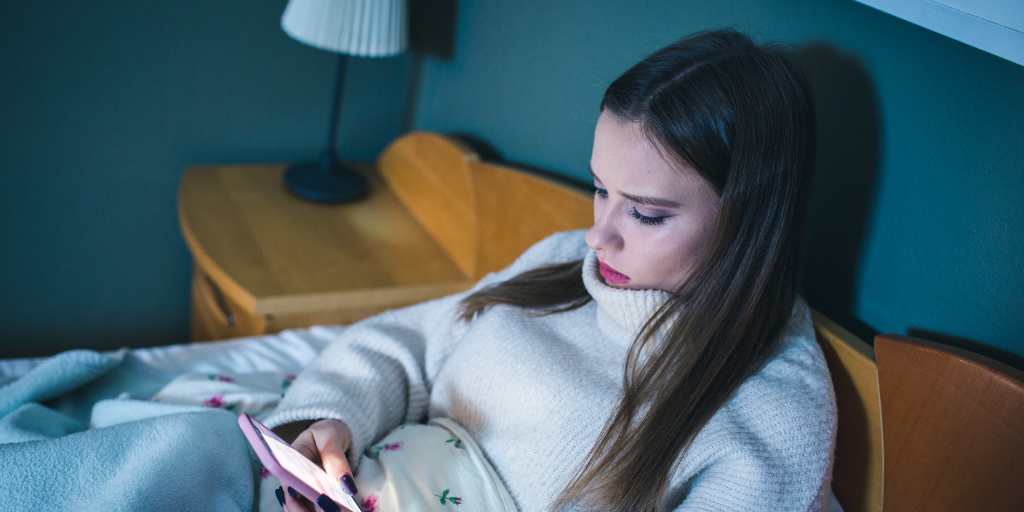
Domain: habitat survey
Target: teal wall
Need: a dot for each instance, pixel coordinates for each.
(918, 207)
(917, 215)
(104, 105)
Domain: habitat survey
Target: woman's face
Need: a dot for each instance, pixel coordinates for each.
(653, 245)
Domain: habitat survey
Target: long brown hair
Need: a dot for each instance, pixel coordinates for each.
(740, 115)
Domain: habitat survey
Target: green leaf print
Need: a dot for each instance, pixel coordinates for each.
(445, 499)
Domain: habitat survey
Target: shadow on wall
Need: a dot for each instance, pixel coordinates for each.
(969, 345)
(845, 180)
(843, 192)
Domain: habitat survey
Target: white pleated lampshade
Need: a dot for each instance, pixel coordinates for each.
(362, 28)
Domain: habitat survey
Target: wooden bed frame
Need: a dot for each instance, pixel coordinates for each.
(954, 421)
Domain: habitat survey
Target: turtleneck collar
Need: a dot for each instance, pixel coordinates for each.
(621, 312)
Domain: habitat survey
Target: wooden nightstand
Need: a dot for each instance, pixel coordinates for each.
(265, 260)
(437, 220)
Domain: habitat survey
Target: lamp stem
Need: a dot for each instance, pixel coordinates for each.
(330, 157)
(329, 180)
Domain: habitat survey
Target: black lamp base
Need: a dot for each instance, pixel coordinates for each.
(314, 182)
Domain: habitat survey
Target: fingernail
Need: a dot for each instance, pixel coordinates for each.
(327, 504)
(350, 485)
(280, 495)
(293, 493)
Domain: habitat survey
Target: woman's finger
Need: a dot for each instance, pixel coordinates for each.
(332, 438)
(305, 444)
(295, 502)
(324, 443)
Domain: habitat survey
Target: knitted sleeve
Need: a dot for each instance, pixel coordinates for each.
(774, 448)
(744, 483)
(377, 374)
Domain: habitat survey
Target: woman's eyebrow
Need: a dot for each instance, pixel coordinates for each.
(651, 201)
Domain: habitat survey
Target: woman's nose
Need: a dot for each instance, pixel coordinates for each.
(603, 235)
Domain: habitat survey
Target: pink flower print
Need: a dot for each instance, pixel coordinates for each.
(214, 401)
(445, 498)
(389, 447)
(264, 472)
(220, 378)
(369, 503)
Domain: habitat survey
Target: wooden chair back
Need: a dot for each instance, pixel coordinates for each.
(483, 214)
(430, 174)
(953, 423)
(513, 207)
(857, 471)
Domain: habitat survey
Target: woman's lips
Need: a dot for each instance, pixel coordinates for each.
(611, 275)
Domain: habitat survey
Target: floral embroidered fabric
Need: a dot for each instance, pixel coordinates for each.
(415, 467)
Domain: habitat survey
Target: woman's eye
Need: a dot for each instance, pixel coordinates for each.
(650, 221)
(647, 220)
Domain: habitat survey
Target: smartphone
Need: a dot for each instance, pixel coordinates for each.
(291, 467)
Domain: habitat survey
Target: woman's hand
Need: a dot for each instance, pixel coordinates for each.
(323, 442)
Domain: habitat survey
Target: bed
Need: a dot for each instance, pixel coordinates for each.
(286, 351)
(944, 409)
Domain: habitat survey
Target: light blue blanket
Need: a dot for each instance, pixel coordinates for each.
(77, 433)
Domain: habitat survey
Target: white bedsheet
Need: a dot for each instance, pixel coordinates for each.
(286, 351)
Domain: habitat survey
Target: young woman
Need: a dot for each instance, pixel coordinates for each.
(662, 359)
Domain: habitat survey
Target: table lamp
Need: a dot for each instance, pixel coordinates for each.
(362, 28)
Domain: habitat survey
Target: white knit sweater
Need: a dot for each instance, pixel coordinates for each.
(535, 392)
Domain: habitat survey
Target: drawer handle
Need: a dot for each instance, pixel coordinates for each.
(222, 303)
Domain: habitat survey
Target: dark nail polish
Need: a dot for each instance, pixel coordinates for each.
(280, 495)
(350, 485)
(327, 504)
(294, 494)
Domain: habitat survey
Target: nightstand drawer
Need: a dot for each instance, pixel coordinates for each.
(215, 316)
